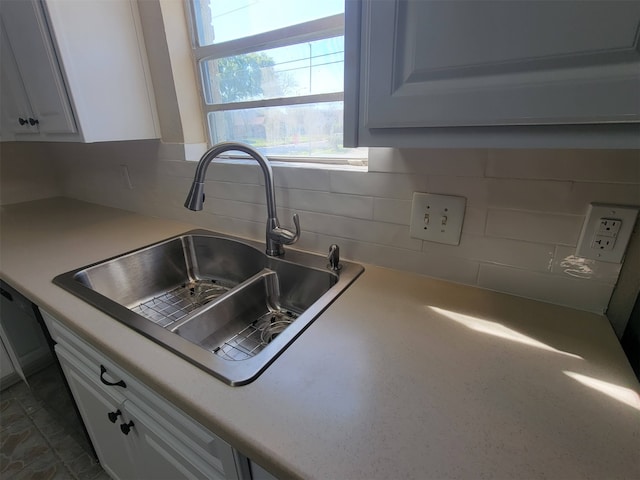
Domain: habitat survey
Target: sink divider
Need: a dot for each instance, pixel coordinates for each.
(272, 282)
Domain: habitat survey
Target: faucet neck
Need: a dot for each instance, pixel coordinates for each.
(275, 235)
(218, 149)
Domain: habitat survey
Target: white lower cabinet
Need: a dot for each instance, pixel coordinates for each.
(114, 449)
(137, 434)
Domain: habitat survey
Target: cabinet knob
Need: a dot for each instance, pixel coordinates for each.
(126, 427)
(113, 416)
(33, 121)
(22, 121)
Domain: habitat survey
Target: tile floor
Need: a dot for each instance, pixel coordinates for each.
(42, 441)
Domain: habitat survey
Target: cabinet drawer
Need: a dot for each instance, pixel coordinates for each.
(170, 419)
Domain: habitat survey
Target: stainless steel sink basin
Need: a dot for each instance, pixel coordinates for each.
(215, 300)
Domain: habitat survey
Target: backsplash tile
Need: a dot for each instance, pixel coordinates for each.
(567, 264)
(605, 166)
(454, 162)
(386, 185)
(530, 256)
(475, 220)
(353, 206)
(25, 180)
(391, 210)
(524, 211)
(534, 226)
(584, 193)
(536, 195)
(475, 190)
(571, 292)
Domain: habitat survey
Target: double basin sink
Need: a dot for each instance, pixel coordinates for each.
(215, 300)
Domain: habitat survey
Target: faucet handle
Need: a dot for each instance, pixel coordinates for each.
(286, 237)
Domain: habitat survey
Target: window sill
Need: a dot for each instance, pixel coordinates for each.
(192, 152)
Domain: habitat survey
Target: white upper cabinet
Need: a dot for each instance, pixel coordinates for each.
(74, 71)
(493, 73)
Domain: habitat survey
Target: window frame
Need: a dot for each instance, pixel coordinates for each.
(319, 29)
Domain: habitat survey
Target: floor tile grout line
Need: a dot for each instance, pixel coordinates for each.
(26, 398)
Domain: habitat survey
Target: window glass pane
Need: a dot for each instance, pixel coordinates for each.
(219, 21)
(292, 130)
(304, 69)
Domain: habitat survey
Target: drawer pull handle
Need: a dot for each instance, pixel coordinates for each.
(126, 427)
(113, 416)
(103, 370)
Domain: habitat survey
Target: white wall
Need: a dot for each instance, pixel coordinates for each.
(525, 208)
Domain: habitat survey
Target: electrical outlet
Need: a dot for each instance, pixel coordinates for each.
(603, 243)
(437, 218)
(606, 232)
(609, 227)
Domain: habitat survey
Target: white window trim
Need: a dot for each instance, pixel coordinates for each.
(319, 29)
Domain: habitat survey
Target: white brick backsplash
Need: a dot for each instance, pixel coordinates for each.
(534, 227)
(615, 166)
(353, 206)
(523, 217)
(538, 195)
(302, 178)
(235, 171)
(390, 210)
(230, 208)
(241, 192)
(387, 185)
(460, 163)
(567, 264)
(475, 190)
(531, 256)
(355, 229)
(582, 194)
(571, 292)
(475, 220)
(177, 169)
(455, 269)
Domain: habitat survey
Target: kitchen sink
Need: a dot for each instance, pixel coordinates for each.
(215, 300)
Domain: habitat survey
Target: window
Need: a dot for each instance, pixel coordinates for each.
(272, 76)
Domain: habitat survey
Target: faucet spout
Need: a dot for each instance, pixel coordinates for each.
(276, 236)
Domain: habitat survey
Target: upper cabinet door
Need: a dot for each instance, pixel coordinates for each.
(15, 109)
(28, 36)
(79, 68)
(428, 64)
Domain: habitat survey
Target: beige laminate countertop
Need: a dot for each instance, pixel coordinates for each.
(402, 377)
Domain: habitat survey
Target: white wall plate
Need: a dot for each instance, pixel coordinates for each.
(606, 232)
(437, 218)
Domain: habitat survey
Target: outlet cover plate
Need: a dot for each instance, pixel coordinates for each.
(437, 218)
(597, 213)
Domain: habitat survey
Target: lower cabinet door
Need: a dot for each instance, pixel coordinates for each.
(113, 447)
(160, 457)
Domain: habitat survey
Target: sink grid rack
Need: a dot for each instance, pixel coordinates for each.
(254, 337)
(169, 307)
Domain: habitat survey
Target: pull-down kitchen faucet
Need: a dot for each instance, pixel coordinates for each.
(276, 236)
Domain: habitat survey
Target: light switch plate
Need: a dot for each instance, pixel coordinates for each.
(437, 218)
(606, 232)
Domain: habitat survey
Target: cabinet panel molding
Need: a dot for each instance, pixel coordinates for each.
(446, 71)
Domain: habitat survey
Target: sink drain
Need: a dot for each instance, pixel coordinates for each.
(273, 329)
